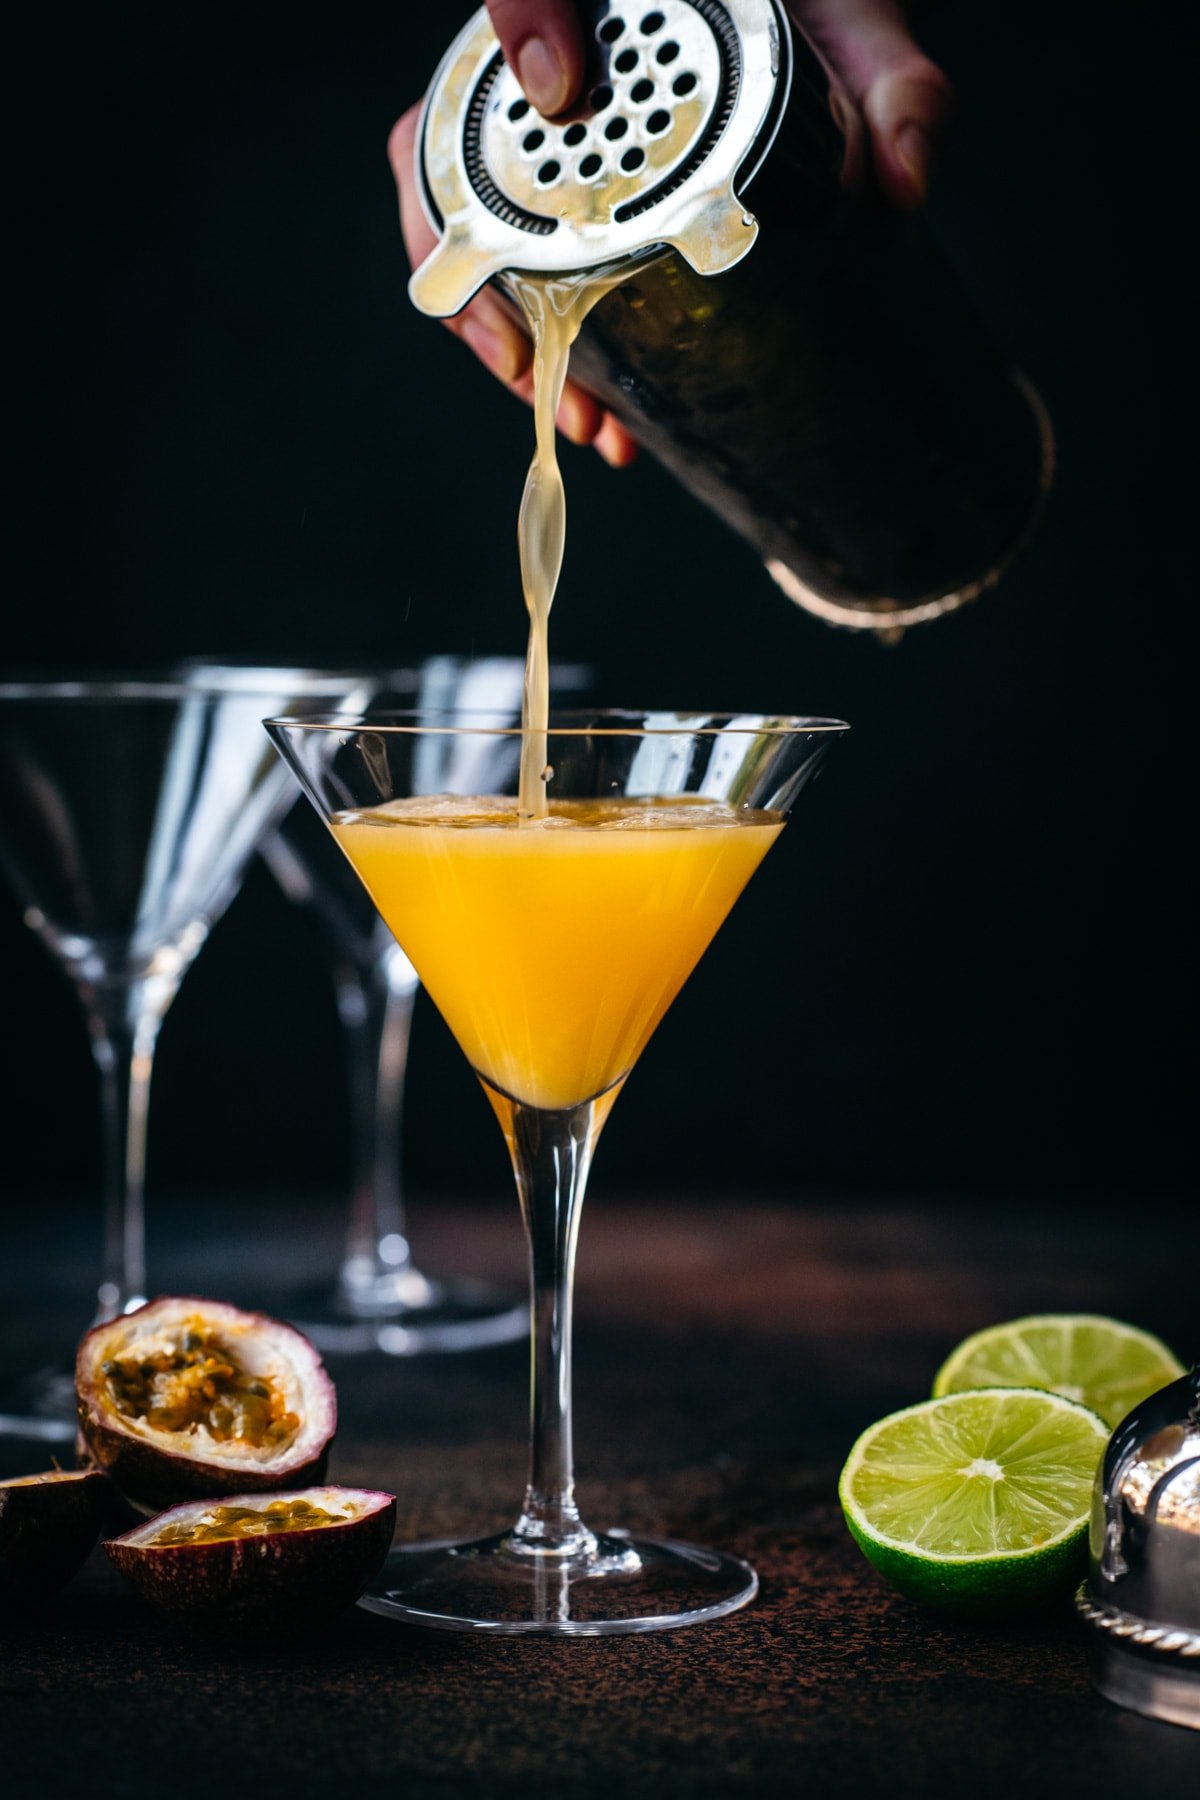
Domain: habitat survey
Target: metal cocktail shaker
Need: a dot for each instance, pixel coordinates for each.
(830, 393)
(1142, 1596)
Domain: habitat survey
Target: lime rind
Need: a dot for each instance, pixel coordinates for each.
(1100, 1362)
(1000, 1477)
(998, 1588)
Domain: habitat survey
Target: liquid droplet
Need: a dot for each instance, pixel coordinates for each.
(548, 773)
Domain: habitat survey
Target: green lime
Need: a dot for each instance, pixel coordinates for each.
(977, 1502)
(1099, 1362)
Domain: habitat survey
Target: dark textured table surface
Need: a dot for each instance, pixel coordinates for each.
(726, 1358)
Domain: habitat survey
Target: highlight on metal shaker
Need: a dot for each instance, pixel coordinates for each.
(1142, 1596)
(802, 359)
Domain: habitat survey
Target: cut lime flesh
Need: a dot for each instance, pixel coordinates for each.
(976, 1501)
(1101, 1363)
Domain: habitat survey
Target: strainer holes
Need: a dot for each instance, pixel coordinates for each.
(574, 134)
(668, 52)
(658, 122)
(549, 173)
(626, 62)
(683, 85)
(616, 128)
(633, 160)
(641, 91)
(517, 111)
(590, 166)
(533, 140)
(652, 22)
(601, 97)
(611, 30)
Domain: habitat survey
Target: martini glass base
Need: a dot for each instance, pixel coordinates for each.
(622, 1585)
(412, 1316)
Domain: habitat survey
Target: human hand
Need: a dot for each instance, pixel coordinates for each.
(891, 101)
(877, 72)
(488, 328)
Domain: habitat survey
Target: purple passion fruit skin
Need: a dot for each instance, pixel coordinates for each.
(48, 1525)
(187, 1398)
(259, 1565)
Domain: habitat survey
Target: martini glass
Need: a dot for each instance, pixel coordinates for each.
(552, 950)
(128, 810)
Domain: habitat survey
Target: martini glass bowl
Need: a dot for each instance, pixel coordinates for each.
(553, 947)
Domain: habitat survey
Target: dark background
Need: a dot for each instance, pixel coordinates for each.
(966, 968)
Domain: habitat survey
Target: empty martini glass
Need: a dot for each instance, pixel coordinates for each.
(379, 1299)
(552, 949)
(128, 810)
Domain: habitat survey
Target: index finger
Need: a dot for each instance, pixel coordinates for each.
(543, 45)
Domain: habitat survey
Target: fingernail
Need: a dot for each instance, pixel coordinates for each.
(542, 75)
(916, 153)
(491, 348)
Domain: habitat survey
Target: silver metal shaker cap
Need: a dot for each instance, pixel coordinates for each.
(682, 102)
(1142, 1596)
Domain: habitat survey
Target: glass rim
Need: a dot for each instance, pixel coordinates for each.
(233, 678)
(167, 687)
(103, 688)
(408, 723)
(571, 668)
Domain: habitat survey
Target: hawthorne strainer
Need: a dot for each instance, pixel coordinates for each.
(681, 103)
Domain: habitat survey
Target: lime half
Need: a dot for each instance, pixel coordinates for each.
(1099, 1362)
(977, 1502)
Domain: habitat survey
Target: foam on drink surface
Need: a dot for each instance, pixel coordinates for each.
(476, 812)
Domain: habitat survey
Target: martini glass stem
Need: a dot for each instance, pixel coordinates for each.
(375, 1005)
(124, 1024)
(551, 1155)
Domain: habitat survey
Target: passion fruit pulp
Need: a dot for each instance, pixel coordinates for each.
(259, 1565)
(190, 1398)
(48, 1524)
(215, 1524)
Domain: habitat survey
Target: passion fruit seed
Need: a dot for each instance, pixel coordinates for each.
(250, 1521)
(200, 1383)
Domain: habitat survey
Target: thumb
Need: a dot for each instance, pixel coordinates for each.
(905, 99)
(543, 47)
(908, 111)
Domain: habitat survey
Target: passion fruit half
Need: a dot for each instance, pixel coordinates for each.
(48, 1524)
(192, 1399)
(258, 1565)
